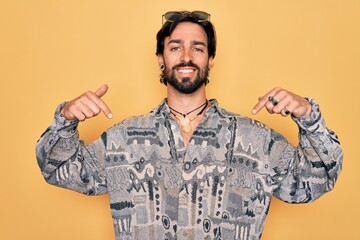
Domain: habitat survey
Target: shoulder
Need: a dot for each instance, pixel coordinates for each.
(149, 122)
(240, 119)
(140, 121)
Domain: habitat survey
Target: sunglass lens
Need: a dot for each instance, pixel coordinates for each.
(200, 16)
(172, 16)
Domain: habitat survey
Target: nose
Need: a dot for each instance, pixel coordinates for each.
(186, 55)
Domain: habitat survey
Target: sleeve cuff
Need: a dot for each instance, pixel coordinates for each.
(65, 128)
(314, 121)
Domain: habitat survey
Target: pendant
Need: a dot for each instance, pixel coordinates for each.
(186, 129)
(185, 121)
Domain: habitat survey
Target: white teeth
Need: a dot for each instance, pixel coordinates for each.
(186, 70)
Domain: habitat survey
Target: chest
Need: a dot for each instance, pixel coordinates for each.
(213, 181)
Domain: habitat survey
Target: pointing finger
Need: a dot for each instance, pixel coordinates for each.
(102, 105)
(105, 109)
(264, 100)
(259, 105)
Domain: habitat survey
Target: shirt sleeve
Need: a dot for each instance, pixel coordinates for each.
(68, 162)
(304, 173)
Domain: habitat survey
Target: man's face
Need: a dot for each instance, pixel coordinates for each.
(186, 58)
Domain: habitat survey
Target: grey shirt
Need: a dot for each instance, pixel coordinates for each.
(219, 187)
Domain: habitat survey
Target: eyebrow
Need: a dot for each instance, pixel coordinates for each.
(179, 41)
(198, 43)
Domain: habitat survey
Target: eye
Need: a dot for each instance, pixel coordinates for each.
(198, 50)
(175, 49)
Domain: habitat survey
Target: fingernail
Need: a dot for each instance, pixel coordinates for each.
(110, 115)
(253, 111)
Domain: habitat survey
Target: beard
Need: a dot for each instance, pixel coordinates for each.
(185, 85)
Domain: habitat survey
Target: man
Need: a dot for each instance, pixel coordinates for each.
(189, 169)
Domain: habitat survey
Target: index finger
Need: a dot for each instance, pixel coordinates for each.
(104, 108)
(101, 104)
(260, 104)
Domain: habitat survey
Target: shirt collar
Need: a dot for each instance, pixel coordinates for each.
(163, 108)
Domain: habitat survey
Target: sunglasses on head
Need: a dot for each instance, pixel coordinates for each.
(199, 16)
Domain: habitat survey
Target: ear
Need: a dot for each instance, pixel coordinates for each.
(160, 60)
(210, 62)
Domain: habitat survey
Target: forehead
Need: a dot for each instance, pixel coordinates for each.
(188, 31)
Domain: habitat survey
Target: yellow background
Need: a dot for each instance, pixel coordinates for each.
(53, 50)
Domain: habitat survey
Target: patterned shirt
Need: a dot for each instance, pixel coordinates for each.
(218, 187)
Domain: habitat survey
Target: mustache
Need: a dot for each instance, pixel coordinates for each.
(186, 64)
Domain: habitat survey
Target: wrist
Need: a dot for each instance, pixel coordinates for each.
(308, 107)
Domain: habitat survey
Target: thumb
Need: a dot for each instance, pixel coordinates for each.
(102, 90)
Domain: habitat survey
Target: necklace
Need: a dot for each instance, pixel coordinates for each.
(184, 119)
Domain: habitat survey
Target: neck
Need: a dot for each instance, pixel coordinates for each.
(185, 102)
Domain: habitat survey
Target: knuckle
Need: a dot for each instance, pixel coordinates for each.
(297, 105)
(74, 107)
(277, 88)
(96, 112)
(81, 118)
(86, 95)
(283, 92)
(295, 111)
(276, 110)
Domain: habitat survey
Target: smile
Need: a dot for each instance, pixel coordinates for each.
(186, 70)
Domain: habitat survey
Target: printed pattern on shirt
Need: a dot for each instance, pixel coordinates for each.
(219, 187)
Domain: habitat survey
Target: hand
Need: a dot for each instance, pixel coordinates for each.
(283, 102)
(87, 105)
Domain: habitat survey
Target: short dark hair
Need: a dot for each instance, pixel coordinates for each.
(169, 27)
